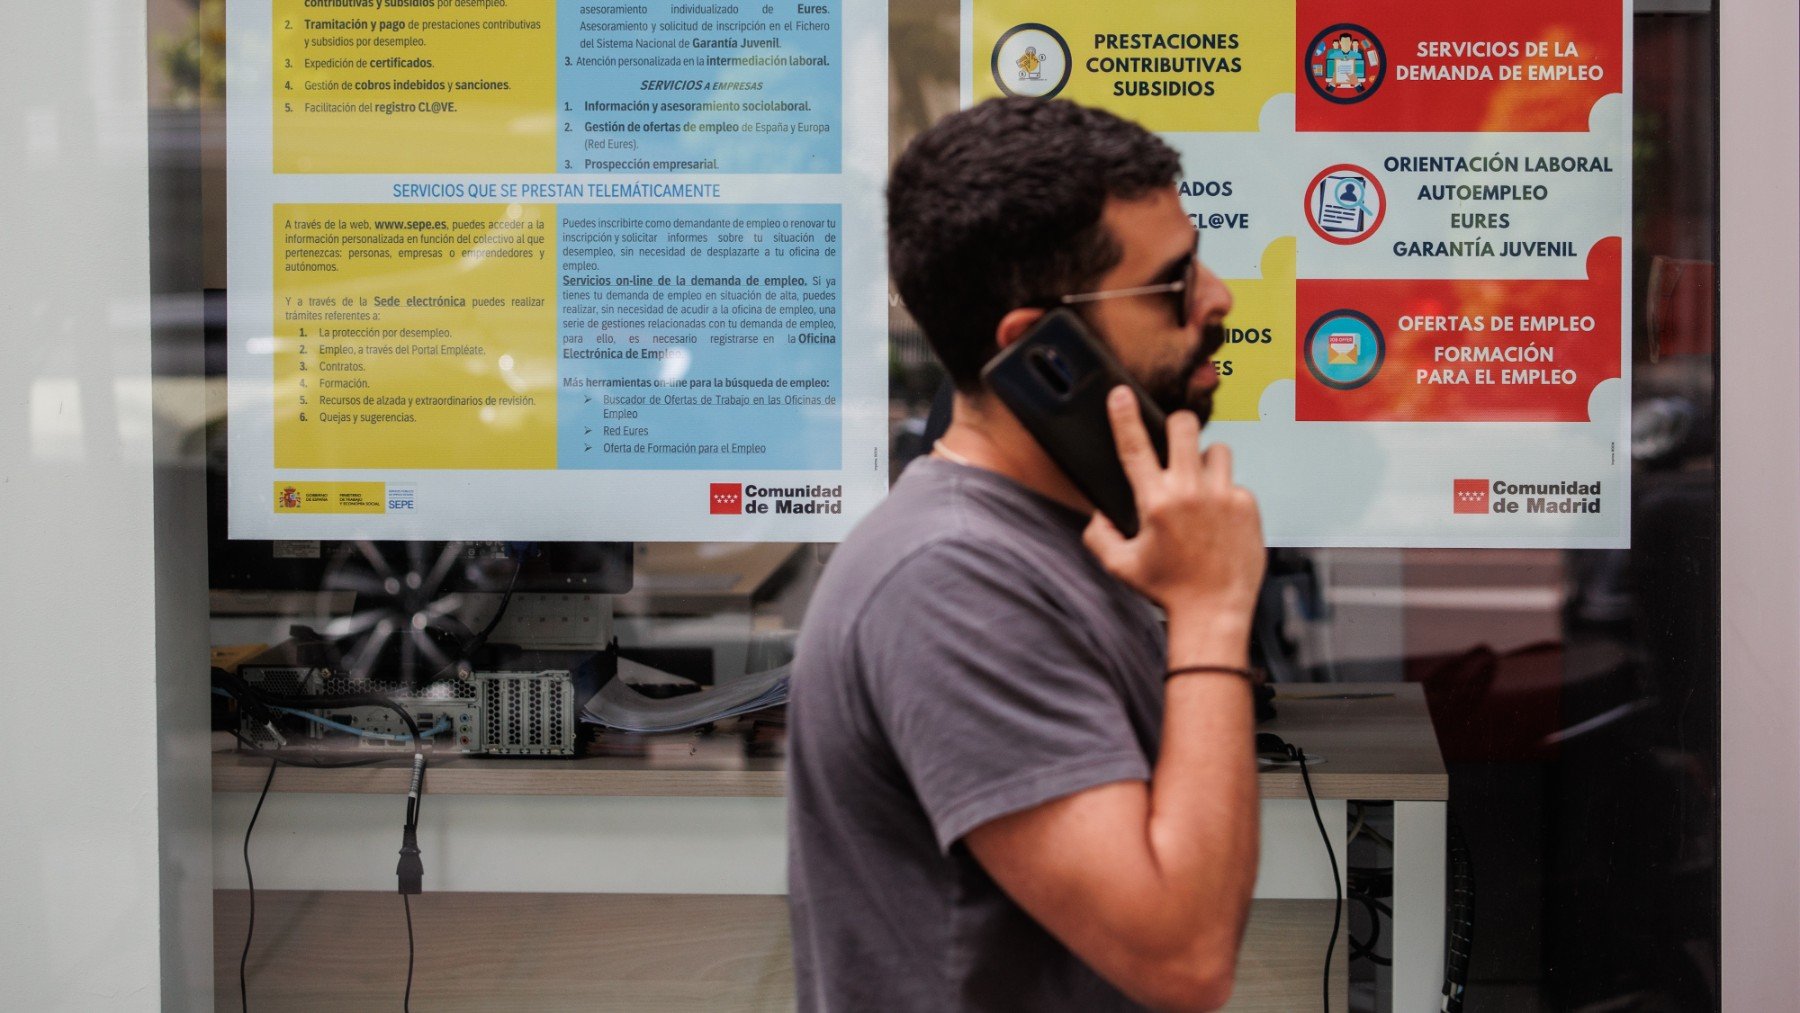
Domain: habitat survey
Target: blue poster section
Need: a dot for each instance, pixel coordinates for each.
(678, 86)
(699, 336)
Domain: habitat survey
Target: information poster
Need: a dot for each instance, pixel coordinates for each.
(556, 269)
(1423, 213)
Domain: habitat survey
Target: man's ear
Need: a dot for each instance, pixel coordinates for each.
(1014, 325)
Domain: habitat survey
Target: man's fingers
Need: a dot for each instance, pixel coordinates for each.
(1129, 435)
(1101, 537)
(1215, 465)
(1184, 444)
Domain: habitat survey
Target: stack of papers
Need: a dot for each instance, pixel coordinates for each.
(619, 706)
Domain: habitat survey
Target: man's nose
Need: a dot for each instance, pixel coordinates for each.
(1209, 296)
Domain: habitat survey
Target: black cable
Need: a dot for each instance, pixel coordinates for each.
(406, 1003)
(1459, 948)
(500, 612)
(1359, 948)
(411, 870)
(1376, 909)
(1337, 910)
(476, 643)
(250, 929)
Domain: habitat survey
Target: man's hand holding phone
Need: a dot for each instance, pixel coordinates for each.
(1199, 554)
(1199, 548)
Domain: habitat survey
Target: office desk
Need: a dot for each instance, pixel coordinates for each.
(1381, 748)
(689, 861)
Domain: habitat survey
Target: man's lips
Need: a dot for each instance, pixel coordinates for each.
(1206, 377)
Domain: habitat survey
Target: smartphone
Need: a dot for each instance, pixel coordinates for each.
(1055, 379)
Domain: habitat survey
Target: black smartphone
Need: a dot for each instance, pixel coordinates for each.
(1055, 379)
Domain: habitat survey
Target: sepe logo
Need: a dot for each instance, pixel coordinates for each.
(727, 498)
(1470, 495)
(402, 499)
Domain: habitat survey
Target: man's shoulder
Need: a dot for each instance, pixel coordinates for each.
(941, 520)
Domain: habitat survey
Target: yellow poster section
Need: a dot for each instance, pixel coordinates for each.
(1263, 315)
(415, 336)
(330, 497)
(414, 89)
(1171, 65)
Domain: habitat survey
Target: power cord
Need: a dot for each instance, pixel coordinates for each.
(1338, 887)
(261, 707)
(479, 640)
(250, 930)
(406, 1003)
(1462, 894)
(1376, 909)
(411, 871)
(1462, 921)
(500, 611)
(1337, 910)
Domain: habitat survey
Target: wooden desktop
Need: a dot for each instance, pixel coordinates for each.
(529, 936)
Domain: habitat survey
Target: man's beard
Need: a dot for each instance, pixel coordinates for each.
(1168, 388)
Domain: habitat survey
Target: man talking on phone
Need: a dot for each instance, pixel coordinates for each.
(1011, 788)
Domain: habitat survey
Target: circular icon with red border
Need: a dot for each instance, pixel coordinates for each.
(1345, 204)
(1345, 64)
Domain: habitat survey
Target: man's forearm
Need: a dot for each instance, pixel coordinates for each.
(1203, 794)
(1150, 883)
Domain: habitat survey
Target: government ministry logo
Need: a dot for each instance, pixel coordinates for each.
(727, 498)
(736, 498)
(1031, 61)
(1470, 495)
(1501, 496)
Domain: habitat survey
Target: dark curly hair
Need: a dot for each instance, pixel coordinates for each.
(998, 207)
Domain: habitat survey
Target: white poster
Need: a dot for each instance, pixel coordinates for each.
(1423, 213)
(534, 269)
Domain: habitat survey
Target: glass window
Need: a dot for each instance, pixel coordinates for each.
(1573, 694)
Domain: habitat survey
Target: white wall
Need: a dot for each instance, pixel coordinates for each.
(79, 885)
(1760, 401)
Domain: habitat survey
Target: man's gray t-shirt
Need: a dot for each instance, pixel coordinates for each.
(964, 658)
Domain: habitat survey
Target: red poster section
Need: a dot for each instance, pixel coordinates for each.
(1401, 65)
(1457, 351)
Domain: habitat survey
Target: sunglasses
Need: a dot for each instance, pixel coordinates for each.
(1180, 292)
